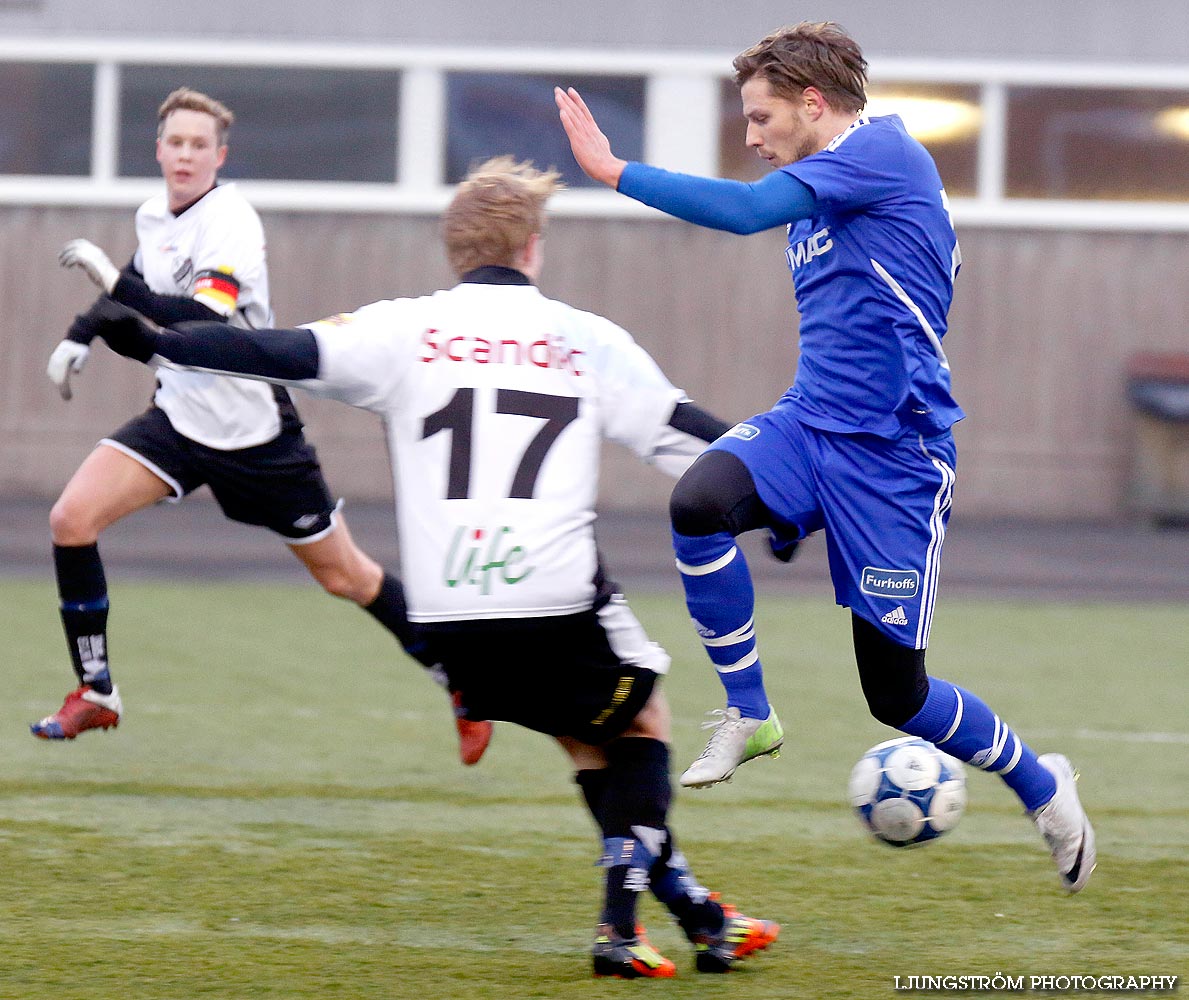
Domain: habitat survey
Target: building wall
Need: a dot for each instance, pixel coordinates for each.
(1041, 327)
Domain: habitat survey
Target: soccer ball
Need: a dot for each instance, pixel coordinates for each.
(907, 792)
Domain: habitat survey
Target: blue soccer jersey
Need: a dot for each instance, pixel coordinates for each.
(873, 271)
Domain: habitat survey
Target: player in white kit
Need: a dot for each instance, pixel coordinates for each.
(200, 256)
(495, 400)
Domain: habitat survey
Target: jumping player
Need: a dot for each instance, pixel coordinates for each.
(860, 445)
(495, 400)
(200, 256)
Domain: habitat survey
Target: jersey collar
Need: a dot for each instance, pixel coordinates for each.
(492, 274)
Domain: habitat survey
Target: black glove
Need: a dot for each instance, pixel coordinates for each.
(781, 546)
(126, 331)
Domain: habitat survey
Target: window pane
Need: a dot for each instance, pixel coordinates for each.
(735, 160)
(1098, 143)
(290, 124)
(45, 118)
(490, 114)
(944, 118)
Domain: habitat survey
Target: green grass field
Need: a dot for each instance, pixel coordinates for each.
(281, 813)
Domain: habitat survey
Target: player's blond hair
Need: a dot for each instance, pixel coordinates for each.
(498, 206)
(810, 54)
(185, 99)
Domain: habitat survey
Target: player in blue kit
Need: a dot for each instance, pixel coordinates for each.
(860, 445)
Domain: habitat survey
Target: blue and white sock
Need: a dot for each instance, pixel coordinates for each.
(961, 724)
(721, 601)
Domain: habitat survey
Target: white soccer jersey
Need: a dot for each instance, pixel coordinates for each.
(495, 400)
(212, 252)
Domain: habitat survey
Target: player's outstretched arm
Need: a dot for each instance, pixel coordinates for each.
(729, 205)
(282, 356)
(591, 148)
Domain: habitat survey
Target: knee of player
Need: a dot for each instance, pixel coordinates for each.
(72, 524)
(893, 708)
(653, 720)
(716, 494)
(693, 509)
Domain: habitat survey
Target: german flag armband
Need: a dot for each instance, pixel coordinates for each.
(218, 289)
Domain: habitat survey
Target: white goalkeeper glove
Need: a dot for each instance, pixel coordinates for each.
(99, 268)
(68, 359)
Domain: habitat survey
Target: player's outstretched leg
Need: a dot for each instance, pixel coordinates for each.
(900, 693)
(82, 589)
(961, 724)
(390, 610)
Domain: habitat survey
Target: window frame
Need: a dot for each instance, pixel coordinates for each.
(681, 126)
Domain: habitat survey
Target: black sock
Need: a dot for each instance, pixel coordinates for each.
(593, 783)
(82, 593)
(633, 807)
(646, 761)
(390, 610)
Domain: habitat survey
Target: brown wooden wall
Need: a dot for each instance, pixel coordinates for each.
(1040, 331)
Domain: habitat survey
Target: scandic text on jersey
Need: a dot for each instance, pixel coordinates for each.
(550, 352)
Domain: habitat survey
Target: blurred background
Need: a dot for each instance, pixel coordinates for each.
(1061, 131)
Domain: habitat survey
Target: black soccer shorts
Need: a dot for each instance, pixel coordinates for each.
(277, 485)
(585, 675)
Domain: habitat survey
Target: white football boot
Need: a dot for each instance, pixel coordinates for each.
(735, 741)
(1063, 824)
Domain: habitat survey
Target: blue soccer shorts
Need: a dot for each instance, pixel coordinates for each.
(884, 505)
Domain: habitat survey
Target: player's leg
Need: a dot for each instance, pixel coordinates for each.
(713, 502)
(111, 483)
(626, 784)
(344, 570)
(889, 579)
(627, 788)
(901, 694)
(279, 485)
(723, 494)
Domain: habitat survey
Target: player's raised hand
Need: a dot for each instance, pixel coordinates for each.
(68, 359)
(591, 148)
(85, 254)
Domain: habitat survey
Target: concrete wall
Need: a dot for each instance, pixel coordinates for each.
(1040, 331)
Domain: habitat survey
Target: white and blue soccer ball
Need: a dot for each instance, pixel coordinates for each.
(907, 792)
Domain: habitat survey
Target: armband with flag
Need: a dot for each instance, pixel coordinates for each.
(218, 289)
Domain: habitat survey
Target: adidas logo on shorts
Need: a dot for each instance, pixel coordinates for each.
(896, 617)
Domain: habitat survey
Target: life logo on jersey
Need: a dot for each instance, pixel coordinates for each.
(897, 583)
(481, 557)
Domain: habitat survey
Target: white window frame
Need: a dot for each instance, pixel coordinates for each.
(681, 127)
